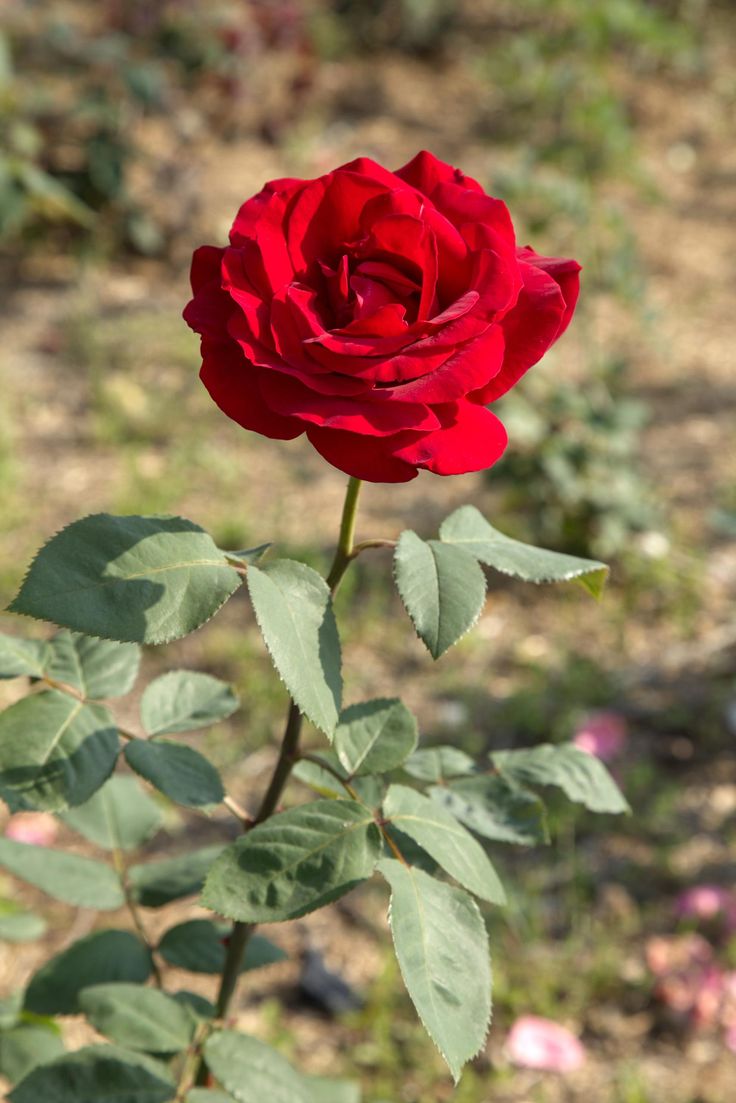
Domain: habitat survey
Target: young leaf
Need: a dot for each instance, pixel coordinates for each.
(375, 736)
(100, 958)
(247, 556)
(157, 883)
(293, 608)
(95, 668)
(184, 700)
(467, 528)
(119, 816)
(22, 658)
(137, 1017)
(17, 925)
(445, 840)
(83, 882)
(133, 579)
(182, 773)
(442, 588)
(251, 1071)
(28, 1045)
(318, 779)
(295, 862)
(442, 949)
(97, 1074)
(199, 946)
(55, 751)
(495, 808)
(439, 764)
(582, 777)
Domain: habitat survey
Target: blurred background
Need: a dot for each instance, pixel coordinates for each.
(130, 132)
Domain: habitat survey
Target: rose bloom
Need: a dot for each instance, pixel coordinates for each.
(706, 902)
(379, 313)
(537, 1043)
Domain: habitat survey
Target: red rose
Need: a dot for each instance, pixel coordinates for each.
(378, 312)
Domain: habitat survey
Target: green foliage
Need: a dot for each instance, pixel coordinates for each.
(442, 948)
(184, 700)
(101, 958)
(55, 751)
(495, 808)
(294, 612)
(94, 668)
(581, 776)
(155, 884)
(199, 946)
(138, 1018)
(439, 764)
(180, 772)
(136, 579)
(442, 588)
(120, 816)
(26, 1045)
(467, 528)
(83, 882)
(97, 1074)
(19, 657)
(374, 737)
(294, 862)
(438, 833)
(251, 1071)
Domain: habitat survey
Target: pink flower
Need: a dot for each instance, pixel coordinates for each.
(536, 1043)
(730, 1038)
(676, 953)
(36, 828)
(708, 902)
(603, 734)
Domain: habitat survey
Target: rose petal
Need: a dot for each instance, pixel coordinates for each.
(362, 457)
(472, 440)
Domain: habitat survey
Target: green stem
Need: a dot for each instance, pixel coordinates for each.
(288, 755)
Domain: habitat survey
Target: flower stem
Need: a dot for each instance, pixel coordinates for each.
(288, 755)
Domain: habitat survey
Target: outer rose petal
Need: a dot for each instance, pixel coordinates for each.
(425, 172)
(362, 457)
(473, 440)
(234, 384)
(566, 274)
(529, 328)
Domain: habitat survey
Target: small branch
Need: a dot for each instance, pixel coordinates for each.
(391, 844)
(306, 756)
(365, 545)
(238, 811)
(193, 1061)
(120, 869)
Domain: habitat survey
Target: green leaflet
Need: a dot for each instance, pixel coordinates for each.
(375, 736)
(199, 946)
(182, 773)
(293, 608)
(184, 700)
(137, 1017)
(83, 882)
(95, 668)
(55, 751)
(119, 816)
(442, 949)
(442, 588)
(132, 579)
(438, 833)
(467, 528)
(582, 777)
(97, 1074)
(100, 958)
(294, 862)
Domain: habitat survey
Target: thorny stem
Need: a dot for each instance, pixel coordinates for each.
(288, 756)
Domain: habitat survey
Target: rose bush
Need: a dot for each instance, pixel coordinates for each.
(378, 312)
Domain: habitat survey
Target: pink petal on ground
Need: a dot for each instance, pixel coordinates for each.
(536, 1043)
(36, 828)
(603, 734)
